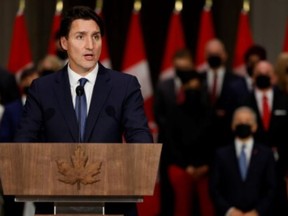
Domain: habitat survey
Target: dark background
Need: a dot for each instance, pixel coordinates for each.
(267, 28)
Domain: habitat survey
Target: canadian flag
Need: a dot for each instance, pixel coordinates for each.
(285, 48)
(243, 42)
(54, 30)
(175, 41)
(20, 55)
(135, 63)
(206, 33)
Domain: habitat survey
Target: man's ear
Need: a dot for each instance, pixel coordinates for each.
(63, 43)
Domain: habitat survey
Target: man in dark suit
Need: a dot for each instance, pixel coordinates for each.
(114, 104)
(271, 106)
(168, 95)
(224, 88)
(243, 178)
(8, 89)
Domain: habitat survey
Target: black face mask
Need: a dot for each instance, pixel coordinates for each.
(243, 131)
(187, 75)
(263, 81)
(214, 61)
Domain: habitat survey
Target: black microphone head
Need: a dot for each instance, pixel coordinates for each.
(79, 90)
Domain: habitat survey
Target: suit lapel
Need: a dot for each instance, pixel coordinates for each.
(253, 161)
(100, 93)
(63, 95)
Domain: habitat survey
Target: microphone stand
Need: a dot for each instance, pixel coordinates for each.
(79, 93)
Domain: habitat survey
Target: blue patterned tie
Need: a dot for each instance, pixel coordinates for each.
(81, 108)
(243, 162)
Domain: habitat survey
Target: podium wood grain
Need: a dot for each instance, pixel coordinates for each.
(30, 169)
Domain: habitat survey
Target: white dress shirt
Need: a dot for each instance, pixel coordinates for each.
(259, 97)
(74, 82)
(220, 78)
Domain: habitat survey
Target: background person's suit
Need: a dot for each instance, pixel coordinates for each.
(233, 89)
(255, 192)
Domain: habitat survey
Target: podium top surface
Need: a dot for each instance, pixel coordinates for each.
(86, 169)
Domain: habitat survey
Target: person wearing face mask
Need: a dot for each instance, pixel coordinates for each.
(271, 106)
(252, 56)
(191, 152)
(225, 90)
(243, 177)
(168, 94)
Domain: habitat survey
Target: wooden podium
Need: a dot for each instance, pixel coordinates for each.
(79, 178)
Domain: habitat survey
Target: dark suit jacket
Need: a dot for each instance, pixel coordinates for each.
(276, 136)
(233, 89)
(116, 109)
(229, 190)
(10, 120)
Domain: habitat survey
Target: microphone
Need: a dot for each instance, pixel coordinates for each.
(79, 90)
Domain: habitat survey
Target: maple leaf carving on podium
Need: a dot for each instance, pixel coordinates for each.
(78, 170)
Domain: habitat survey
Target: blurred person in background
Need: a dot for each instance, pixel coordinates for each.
(281, 70)
(243, 178)
(252, 56)
(8, 125)
(271, 107)
(49, 64)
(225, 90)
(168, 95)
(191, 150)
(8, 89)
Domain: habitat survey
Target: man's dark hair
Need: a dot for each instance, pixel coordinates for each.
(256, 49)
(79, 12)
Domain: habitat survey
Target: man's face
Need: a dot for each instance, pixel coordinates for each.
(83, 45)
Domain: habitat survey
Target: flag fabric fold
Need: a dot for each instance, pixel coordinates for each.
(135, 63)
(206, 33)
(55, 28)
(175, 41)
(104, 57)
(243, 41)
(20, 55)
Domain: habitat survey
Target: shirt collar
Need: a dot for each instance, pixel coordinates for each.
(249, 145)
(74, 77)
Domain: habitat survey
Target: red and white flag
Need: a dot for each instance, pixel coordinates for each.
(285, 48)
(175, 41)
(20, 55)
(104, 57)
(55, 28)
(135, 63)
(206, 33)
(243, 42)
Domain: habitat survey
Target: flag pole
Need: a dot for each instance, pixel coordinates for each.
(21, 6)
(137, 5)
(246, 6)
(99, 6)
(178, 6)
(208, 4)
(59, 6)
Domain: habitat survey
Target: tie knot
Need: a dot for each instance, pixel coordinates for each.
(243, 147)
(82, 81)
(265, 97)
